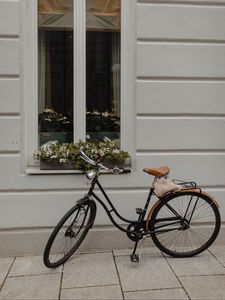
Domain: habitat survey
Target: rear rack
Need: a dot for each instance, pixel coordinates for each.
(187, 185)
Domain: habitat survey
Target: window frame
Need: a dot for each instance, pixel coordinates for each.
(29, 38)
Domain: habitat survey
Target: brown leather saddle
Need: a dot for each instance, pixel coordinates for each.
(162, 171)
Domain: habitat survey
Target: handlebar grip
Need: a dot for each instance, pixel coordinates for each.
(126, 171)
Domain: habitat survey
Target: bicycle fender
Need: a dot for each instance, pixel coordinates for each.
(168, 195)
(151, 212)
(199, 191)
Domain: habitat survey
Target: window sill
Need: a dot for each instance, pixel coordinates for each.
(36, 171)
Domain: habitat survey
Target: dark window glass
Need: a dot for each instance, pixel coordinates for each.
(103, 69)
(55, 70)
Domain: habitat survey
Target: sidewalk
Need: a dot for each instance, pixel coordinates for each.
(111, 275)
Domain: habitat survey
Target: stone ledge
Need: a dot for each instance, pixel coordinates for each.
(20, 242)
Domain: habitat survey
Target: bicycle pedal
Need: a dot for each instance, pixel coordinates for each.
(139, 211)
(134, 258)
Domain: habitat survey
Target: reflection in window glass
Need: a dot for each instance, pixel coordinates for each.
(103, 69)
(55, 70)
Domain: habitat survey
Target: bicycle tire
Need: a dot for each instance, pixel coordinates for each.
(83, 212)
(204, 217)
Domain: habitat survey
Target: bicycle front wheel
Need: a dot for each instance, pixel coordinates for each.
(69, 233)
(185, 223)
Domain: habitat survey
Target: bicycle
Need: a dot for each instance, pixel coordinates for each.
(182, 223)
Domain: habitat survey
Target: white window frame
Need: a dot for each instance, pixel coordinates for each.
(29, 75)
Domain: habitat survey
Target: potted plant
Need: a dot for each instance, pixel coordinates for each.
(67, 156)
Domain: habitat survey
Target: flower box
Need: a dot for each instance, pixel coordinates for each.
(53, 165)
(54, 156)
(112, 163)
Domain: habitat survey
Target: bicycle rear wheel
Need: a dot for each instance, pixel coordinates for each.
(69, 233)
(185, 223)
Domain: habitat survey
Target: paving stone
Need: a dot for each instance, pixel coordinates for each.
(30, 266)
(203, 264)
(90, 270)
(163, 294)
(93, 293)
(31, 287)
(153, 272)
(218, 252)
(144, 251)
(5, 264)
(204, 287)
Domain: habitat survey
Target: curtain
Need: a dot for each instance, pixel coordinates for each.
(41, 71)
(44, 71)
(116, 73)
(101, 14)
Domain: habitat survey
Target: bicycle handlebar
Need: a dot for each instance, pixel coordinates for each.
(115, 170)
(86, 158)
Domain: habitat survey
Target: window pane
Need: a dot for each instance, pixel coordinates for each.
(103, 69)
(55, 70)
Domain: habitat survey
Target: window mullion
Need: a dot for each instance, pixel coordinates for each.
(128, 38)
(79, 70)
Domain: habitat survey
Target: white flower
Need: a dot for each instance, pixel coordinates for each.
(101, 153)
(116, 151)
(62, 160)
(48, 110)
(96, 113)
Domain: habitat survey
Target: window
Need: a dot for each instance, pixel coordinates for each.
(80, 69)
(55, 70)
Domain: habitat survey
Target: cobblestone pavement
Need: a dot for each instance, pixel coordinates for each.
(111, 275)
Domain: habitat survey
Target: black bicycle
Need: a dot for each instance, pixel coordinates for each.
(182, 223)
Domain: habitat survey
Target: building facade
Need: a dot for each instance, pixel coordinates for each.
(172, 109)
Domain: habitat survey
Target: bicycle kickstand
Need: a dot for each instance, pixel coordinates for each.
(135, 257)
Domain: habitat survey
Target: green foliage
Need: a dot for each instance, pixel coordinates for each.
(97, 151)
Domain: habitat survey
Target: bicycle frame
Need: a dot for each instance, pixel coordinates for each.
(140, 221)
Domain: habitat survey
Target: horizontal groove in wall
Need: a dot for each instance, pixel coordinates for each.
(141, 79)
(9, 36)
(180, 41)
(9, 114)
(9, 76)
(180, 152)
(72, 190)
(175, 78)
(9, 153)
(183, 2)
(181, 116)
(114, 190)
